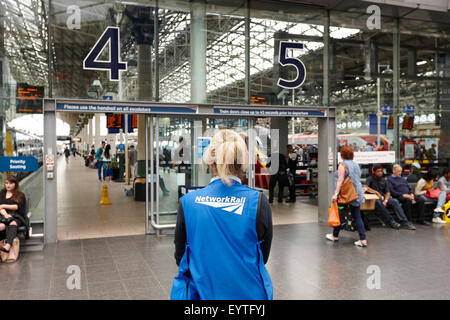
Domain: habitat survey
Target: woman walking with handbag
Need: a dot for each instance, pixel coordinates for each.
(349, 193)
(224, 231)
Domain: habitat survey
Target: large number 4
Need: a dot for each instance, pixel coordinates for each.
(297, 63)
(110, 36)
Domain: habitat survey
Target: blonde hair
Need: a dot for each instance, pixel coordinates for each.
(228, 152)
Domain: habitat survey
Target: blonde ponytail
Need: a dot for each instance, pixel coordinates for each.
(229, 153)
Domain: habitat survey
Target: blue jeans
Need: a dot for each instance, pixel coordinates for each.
(99, 168)
(383, 212)
(395, 204)
(356, 214)
(440, 202)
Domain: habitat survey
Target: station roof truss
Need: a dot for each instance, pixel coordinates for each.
(24, 24)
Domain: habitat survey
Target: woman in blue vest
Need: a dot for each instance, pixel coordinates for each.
(224, 231)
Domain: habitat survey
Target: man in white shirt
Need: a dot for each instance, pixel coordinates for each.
(444, 182)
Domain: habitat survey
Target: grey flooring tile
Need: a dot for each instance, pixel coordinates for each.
(5, 290)
(93, 260)
(32, 283)
(134, 270)
(108, 290)
(30, 294)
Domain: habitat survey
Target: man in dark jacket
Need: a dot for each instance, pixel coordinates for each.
(279, 175)
(378, 185)
(400, 190)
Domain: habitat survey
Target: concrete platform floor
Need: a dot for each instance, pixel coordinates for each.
(302, 264)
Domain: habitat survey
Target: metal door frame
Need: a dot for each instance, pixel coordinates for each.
(152, 142)
(327, 140)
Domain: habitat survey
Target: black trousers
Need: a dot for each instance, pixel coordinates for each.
(11, 230)
(408, 207)
(282, 181)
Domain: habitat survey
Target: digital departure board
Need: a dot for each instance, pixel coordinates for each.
(134, 118)
(258, 100)
(391, 122)
(114, 121)
(408, 123)
(29, 98)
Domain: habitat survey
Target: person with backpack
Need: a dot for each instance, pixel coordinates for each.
(106, 164)
(99, 158)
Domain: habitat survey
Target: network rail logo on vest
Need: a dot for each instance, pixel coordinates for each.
(229, 204)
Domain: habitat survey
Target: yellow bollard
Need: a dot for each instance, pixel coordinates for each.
(446, 216)
(105, 198)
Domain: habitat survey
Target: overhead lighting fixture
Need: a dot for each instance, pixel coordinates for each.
(419, 63)
(388, 70)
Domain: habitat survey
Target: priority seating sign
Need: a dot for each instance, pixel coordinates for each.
(17, 164)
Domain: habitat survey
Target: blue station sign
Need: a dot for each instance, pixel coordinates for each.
(270, 112)
(114, 108)
(408, 109)
(17, 164)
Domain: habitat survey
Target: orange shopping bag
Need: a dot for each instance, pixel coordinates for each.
(333, 215)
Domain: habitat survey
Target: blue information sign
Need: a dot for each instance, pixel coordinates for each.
(408, 109)
(16, 164)
(386, 109)
(202, 144)
(373, 124)
(270, 112)
(114, 108)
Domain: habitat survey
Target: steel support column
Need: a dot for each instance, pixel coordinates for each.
(247, 53)
(327, 133)
(50, 185)
(198, 51)
(396, 87)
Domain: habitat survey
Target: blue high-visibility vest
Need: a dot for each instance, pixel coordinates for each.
(223, 258)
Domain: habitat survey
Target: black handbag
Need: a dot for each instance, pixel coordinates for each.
(347, 221)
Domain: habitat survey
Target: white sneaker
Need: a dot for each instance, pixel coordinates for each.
(360, 244)
(330, 237)
(438, 220)
(439, 210)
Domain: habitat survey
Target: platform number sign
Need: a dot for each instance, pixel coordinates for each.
(297, 63)
(111, 37)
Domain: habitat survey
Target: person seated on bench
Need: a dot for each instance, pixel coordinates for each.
(378, 185)
(415, 173)
(420, 191)
(401, 191)
(12, 210)
(444, 181)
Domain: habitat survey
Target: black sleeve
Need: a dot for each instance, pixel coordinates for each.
(22, 206)
(368, 182)
(264, 227)
(180, 235)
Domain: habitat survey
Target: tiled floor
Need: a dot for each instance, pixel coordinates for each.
(302, 264)
(80, 216)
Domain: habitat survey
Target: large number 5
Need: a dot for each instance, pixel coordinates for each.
(110, 36)
(297, 63)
